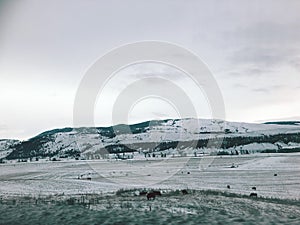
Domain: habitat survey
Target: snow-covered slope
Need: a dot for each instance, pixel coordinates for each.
(148, 135)
(6, 147)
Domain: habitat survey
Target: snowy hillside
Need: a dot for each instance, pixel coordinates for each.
(6, 147)
(156, 136)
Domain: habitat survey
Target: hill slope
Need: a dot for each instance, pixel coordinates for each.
(6, 147)
(157, 135)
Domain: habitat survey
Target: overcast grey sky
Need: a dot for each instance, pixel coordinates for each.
(251, 47)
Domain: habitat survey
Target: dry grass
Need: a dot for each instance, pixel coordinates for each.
(125, 207)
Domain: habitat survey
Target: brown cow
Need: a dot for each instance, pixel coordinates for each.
(157, 192)
(143, 192)
(153, 194)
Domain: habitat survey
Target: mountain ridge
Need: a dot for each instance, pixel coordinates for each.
(156, 135)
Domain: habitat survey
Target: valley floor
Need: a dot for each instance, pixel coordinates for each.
(107, 191)
(273, 175)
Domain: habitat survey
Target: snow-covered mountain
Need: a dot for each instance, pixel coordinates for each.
(157, 135)
(6, 147)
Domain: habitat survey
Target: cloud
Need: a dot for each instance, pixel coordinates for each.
(295, 62)
(3, 127)
(239, 85)
(252, 42)
(267, 33)
(278, 86)
(144, 70)
(259, 56)
(265, 46)
(262, 90)
(248, 71)
(270, 88)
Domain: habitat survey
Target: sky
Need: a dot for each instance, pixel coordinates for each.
(252, 49)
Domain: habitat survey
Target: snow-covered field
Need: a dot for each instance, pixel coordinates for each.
(199, 173)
